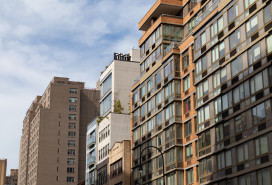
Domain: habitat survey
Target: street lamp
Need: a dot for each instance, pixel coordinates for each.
(141, 167)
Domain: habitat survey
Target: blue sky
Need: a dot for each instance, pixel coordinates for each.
(70, 38)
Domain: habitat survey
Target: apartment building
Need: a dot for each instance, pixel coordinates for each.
(3, 169)
(91, 153)
(12, 179)
(53, 141)
(114, 120)
(119, 163)
(233, 79)
(204, 93)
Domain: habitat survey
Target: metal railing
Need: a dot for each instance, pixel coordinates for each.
(91, 140)
(206, 13)
(170, 47)
(91, 160)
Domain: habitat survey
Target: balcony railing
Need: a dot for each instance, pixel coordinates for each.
(91, 141)
(91, 160)
(206, 13)
(170, 47)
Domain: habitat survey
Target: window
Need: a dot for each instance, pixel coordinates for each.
(169, 111)
(217, 26)
(190, 176)
(135, 97)
(71, 134)
(258, 113)
(116, 168)
(72, 117)
(143, 110)
(192, 23)
(71, 152)
(189, 151)
(72, 100)
(252, 25)
(254, 54)
(256, 83)
(169, 134)
(105, 105)
(236, 66)
(234, 39)
(267, 13)
(70, 161)
(72, 108)
(105, 86)
(159, 118)
(169, 90)
(149, 85)
(218, 51)
(150, 125)
(233, 12)
(263, 176)
(204, 140)
(224, 160)
(186, 83)
(142, 90)
(70, 179)
(203, 38)
(72, 125)
(240, 123)
(248, 3)
(168, 69)
(187, 105)
(185, 59)
(158, 98)
(261, 145)
(158, 78)
(170, 156)
(222, 131)
(201, 64)
(244, 179)
(242, 153)
(70, 170)
(188, 128)
(71, 143)
(150, 104)
(205, 166)
(269, 43)
(73, 91)
(203, 114)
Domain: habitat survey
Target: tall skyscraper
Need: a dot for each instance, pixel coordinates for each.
(3, 169)
(204, 93)
(114, 120)
(53, 142)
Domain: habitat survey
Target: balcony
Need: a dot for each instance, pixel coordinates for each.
(91, 141)
(170, 47)
(206, 13)
(91, 161)
(172, 7)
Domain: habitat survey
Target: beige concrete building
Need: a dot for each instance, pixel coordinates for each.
(52, 149)
(119, 163)
(12, 179)
(3, 168)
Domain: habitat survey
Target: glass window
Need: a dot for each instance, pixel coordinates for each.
(236, 66)
(189, 151)
(254, 54)
(224, 160)
(256, 83)
(263, 176)
(267, 13)
(187, 105)
(186, 83)
(240, 123)
(252, 25)
(234, 39)
(158, 98)
(244, 179)
(261, 145)
(248, 3)
(185, 59)
(188, 128)
(106, 85)
(269, 43)
(201, 64)
(217, 26)
(233, 12)
(190, 176)
(242, 153)
(203, 38)
(158, 118)
(169, 111)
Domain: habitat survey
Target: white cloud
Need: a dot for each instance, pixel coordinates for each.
(41, 39)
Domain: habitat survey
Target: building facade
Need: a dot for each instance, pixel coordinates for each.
(53, 141)
(204, 93)
(12, 179)
(114, 120)
(3, 169)
(91, 153)
(119, 163)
